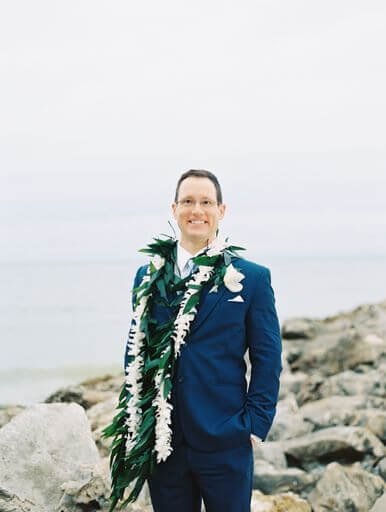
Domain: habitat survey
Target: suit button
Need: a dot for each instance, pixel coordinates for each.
(180, 379)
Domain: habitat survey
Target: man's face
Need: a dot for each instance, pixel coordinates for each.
(197, 212)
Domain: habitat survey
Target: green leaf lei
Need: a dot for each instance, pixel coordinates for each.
(141, 430)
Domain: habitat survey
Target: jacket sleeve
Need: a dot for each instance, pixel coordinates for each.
(264, 345)
(137, 281)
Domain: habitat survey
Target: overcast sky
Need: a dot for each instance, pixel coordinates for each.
(104, 104)
(108, 102)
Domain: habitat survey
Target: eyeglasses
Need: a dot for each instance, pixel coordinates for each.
(206, 204)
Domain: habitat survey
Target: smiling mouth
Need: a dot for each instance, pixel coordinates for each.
(198, 222)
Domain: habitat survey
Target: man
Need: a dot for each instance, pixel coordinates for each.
(214, 416)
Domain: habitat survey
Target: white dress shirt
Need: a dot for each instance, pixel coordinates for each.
(184, 266)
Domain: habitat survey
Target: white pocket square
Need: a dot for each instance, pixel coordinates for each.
(238, 298)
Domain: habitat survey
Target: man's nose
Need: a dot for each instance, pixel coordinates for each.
(197, 206)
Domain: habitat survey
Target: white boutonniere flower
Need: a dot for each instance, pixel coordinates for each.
(232, 279)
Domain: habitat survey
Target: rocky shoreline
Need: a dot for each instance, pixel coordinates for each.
(325, 451)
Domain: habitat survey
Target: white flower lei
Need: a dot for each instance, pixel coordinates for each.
(180, 331)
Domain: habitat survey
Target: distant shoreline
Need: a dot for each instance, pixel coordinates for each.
(26, 386)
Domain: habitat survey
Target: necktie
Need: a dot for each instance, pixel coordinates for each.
(188, 268)
(186, 271)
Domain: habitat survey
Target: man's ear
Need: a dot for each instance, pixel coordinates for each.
(174, 206)
(222, 208)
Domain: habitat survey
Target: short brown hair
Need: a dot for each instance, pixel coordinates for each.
(200, 173)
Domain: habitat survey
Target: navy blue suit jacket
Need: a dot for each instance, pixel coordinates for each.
(212, 407)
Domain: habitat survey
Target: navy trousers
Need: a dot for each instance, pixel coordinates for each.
(222, 479)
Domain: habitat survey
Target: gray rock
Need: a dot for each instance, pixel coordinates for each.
(89, 392)
(103, 412)
(291, 383)
(105, 383)
(284, 358)
(310, 389)
(345, 489)
(372, 419)
(90, 493)
(313, 411)
(352, 339)
(69, 394)
(285, 502)
(271, 480)
(379, 505)
(345, 442)
(101, 415)
(301, 328)
(346, 410)
(41, 448)
(367, 318)
(288, 422)
(7, 412)
(352, 383)
(372, 383)
(271, 452)
(11, 503)
(381, 468)
(80, 395)
(333, 354)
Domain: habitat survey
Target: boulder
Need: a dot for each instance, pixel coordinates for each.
(313, 411)
(80, 395)
(288, 422)
(291, 383)
(286, 502)
(333, 354)
(301, 328)
(346, 443)
(372, 419)
(271, 452)
(101, 415)
(69, 394)
(272, 480)
(346, 489)
(367, 318)
(42, 448)
(380, 504)
(104, 383)
(11, 503)
(90, 493)
(347, 383)
(381, 468)
(310, 389)
(373, 382)
(346, 410)
(7, 412)
(90, 391)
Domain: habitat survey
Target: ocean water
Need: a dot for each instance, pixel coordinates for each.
(71, 240)
(63, 321)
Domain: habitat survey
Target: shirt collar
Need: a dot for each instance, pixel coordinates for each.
(183, 256)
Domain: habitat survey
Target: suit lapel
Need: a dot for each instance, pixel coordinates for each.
(207, 302)
(206, 305)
